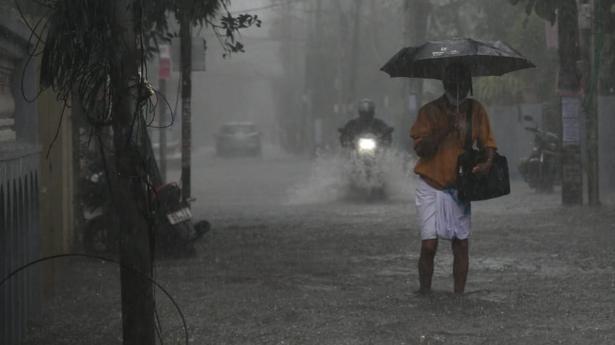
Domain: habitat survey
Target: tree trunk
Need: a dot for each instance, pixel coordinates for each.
(186, 75)
(129, 193)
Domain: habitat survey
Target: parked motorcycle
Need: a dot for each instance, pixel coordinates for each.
(542, 168)
(99, 221)
(366, 153)
(174, 231)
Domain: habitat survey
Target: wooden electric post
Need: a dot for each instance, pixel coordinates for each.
(129, 190)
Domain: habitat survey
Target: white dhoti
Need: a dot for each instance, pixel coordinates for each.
(441, 214)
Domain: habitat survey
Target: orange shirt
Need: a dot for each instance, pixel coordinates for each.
(441, 168)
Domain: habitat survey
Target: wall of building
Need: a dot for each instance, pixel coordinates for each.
(20, 235)
(56, 187)
(36, 189)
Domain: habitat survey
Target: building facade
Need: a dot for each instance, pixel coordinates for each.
(36, 194)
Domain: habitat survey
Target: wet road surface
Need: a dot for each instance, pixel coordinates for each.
(288, 261)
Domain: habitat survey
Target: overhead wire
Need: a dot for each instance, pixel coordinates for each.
(87, 76)
(134, 270)
(77, 64)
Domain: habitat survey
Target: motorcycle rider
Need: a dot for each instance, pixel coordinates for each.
(365, 123)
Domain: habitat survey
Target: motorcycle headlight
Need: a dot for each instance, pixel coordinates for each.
(367, 145)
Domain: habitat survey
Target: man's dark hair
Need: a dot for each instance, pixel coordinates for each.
(457, 71)
(457, 74)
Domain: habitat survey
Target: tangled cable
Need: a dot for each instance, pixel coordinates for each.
(79, 50)
(131, 269)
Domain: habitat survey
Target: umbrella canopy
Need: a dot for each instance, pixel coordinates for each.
(429, 60)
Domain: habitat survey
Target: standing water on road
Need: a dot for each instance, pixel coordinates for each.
(328, 179)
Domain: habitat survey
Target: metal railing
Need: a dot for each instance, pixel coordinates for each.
(20, 297)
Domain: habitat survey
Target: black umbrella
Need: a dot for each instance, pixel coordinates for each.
(429, 60)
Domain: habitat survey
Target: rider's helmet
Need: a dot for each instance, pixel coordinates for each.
(366, 109)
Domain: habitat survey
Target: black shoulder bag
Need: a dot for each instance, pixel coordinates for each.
(476, 187)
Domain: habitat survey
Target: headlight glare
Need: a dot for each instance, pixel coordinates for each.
(367, 145)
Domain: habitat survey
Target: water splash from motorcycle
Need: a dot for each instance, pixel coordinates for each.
(331, 179)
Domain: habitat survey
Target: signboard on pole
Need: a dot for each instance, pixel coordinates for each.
(552, 35)
(164, 66)
(572, 168)
(571, 128)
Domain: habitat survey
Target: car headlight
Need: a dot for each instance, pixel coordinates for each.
(366, 145)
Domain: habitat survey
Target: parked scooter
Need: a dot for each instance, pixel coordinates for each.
(542, 168)
(174, 231)
(99, 236)
(366, 153)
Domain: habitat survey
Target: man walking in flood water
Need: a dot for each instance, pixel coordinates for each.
(439, 134)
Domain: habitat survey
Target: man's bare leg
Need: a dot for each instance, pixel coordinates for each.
(428, 252)
(460, 264)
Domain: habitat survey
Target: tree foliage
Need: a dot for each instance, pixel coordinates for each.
(545, 9)
(483, 19)
(78, 46)
(203, 13)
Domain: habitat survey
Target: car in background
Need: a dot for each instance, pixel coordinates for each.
(238, 138)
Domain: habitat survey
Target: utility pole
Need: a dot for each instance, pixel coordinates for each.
(129, 192)
(354, 55)
(185, 36)
(316, 124)
(308, 82)
(164, 74)
(587, 26)
(569, 88)
(340, 83)
(288, 125)
(314, 91)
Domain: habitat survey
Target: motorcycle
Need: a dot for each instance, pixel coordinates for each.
(542, 168)
(99, 221)
(366, 153)
(174, 231)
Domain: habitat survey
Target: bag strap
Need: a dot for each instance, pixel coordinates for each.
(469, 129)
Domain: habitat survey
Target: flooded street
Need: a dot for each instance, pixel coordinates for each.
(281, 267)
(242, 172)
